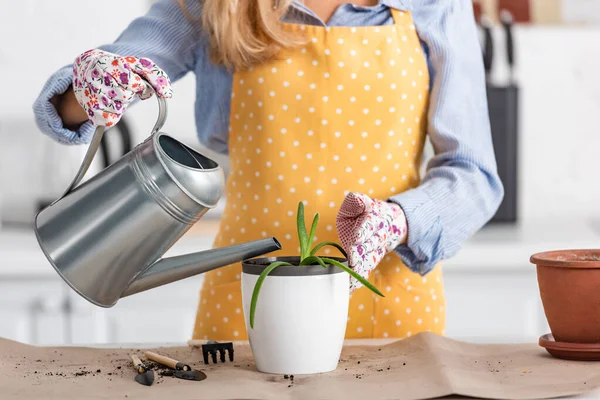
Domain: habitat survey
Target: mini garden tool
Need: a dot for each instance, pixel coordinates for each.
(106, 237)
(144, 375)
(212, 347)
(182, 370)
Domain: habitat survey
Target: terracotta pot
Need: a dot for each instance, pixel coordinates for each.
(569, 282)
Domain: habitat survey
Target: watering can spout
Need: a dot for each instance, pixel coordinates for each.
(168, 270)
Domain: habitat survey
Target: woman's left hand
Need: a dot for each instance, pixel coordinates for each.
(368, 230)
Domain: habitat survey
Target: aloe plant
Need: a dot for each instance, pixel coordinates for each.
(307, 257)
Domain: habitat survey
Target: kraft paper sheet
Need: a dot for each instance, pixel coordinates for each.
(421, 367)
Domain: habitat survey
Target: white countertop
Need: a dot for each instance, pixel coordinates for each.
(348, 342)
(498, 246)
(511, 246)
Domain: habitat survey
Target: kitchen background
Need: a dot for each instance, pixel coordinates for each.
(491, 287)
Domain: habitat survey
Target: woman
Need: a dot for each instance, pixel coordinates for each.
(323, 102)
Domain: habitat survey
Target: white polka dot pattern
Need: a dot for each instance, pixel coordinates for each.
(313, 126)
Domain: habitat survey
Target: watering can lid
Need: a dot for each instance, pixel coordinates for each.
(201, 178)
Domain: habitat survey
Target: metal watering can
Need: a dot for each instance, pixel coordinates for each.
(106, 237)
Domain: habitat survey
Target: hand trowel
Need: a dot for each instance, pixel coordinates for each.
(182, 370)
(144, 375)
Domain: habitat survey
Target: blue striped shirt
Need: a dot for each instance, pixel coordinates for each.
(461, 190)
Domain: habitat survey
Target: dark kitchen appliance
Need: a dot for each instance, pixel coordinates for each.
(110, 152)
(124, 131)
(503, 104)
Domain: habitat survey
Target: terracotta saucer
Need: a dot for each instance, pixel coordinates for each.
(570, 351)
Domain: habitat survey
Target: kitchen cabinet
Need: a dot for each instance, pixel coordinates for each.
(164, 314)
(494, 303)
(46, 312)
(37, 307)
(491, 291)
(486, 304)
(30, 310)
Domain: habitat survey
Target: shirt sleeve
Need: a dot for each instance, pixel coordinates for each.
(166, 35)
(461, 190)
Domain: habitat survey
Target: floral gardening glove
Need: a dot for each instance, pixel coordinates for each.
(368, 230)
(105, 84)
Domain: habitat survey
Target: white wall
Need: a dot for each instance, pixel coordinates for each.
(557, 71)
(560, 134)
(39, 37)
(557, 68)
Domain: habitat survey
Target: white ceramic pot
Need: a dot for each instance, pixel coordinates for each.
(301, 316)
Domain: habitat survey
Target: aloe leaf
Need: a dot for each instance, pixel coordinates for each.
(311, 236)
(354, 274)
(302, 236)
(258, 285)
(320, 245)
(311, 260)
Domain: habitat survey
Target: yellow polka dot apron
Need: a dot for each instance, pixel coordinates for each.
(344, 112)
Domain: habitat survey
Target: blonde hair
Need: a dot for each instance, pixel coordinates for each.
(244, 33)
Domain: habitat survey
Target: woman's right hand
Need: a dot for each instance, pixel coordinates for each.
(105, 84)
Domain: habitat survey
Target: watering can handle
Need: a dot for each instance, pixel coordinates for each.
(97, 138)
